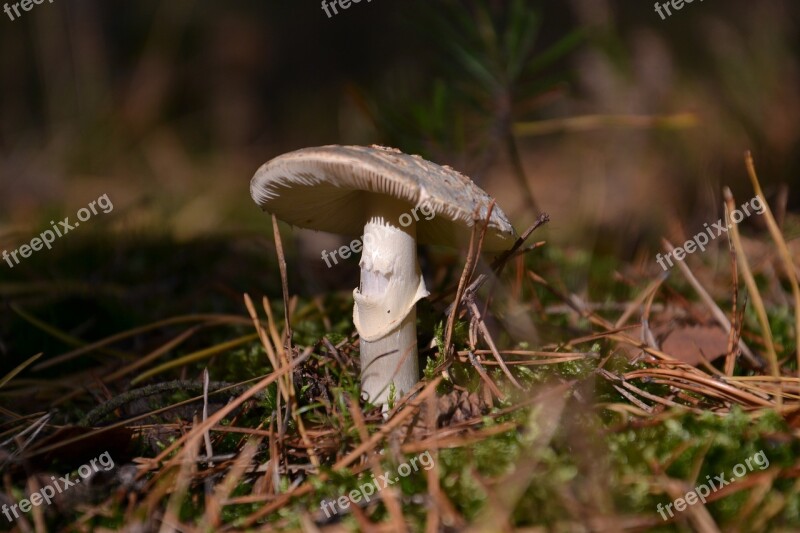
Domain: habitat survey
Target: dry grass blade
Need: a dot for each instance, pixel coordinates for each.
(412, 407)
(61, 335)
(222, 491)
(194, 357)
(761, 487)
(717, 313)
(709, 384)
(225, 411)
(283, 356)
(507, 492)
(532, 353)
(573, 302)
(484, 376)
(188, 470)
(462, 285)
(594, 122)
(647, 333)
(34, 429)
(752, 287)
(152, 356)
(388, 495)
(393, 423)
(500, 261)
(634, 400)
(537, 362)
(643, 296)
(734, 335)
(64, 287)
(277, 341)
(284, 281)
(783, 249)
(230, 319)
(434, 488)
(265, 342)
(644, 394)
(206, 435)
(127, 422)
(488, 338)
(37, 512)
(28, 362)
(458, 439)
(698, 515)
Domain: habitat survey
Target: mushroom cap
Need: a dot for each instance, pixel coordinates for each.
(330, 188)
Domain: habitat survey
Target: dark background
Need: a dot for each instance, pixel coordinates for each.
(169, 108)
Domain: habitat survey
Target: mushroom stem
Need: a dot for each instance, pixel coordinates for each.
(384, 311)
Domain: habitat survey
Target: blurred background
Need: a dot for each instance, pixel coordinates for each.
(622, 126)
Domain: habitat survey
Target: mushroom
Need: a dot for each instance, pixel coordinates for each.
(396, 200)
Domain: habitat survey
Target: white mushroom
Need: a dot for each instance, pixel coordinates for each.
(396, 200)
